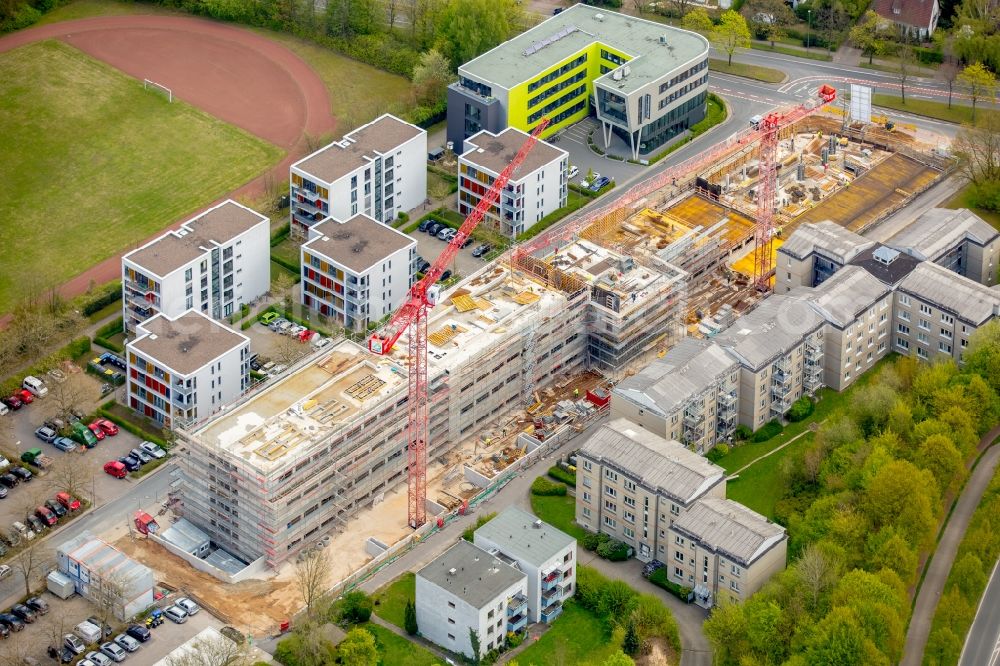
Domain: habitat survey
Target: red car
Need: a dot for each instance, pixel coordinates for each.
(68, 501)
(46, 515)
(13, 402)
(25, 396)
(97, 430)
(107, 426)
(115, 469)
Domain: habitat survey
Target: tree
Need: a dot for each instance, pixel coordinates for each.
(618, 659)
(208, 651)
(950, 66)
(681, 6)
(391, 11)
(356, 607)
(28, 561)
(346, 18)
(410, 618)
(474, 642)
(939, 456)
(816, 571)
(907, 62)
(108, 591)
(981, 83)
(969, 576)
(731, 34)
(68, 476)
(768, 18)
(697, 20)
(312, 574)
(869, 35)
(431, 77)
(979, 150)
(617, 601)
(904, 497)
(68, 396)
(983, 354)
(831, 20)
(467, 28)
(306, 646)
(358, 648)
(630, 644)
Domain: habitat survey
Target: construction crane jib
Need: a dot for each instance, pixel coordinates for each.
(412, 317)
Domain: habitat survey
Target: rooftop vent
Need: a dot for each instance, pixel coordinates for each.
(599, 17)
(885, 255)
(663, 38)
(452, 571)
(537, 524)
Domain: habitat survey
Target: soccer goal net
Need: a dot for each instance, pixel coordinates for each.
(147, 84)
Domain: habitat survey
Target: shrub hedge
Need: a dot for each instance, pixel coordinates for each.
(284, 263)
(103, 297)
(770, 429)
(801, 409)
(103, 335)
(480, 521)
(78, 347)
(661, 579)
(560, 474)
(606, 547)
(542, 486)
(718, 452)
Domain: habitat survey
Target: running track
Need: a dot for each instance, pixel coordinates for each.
(234, 74)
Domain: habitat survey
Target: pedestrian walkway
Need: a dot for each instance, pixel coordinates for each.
(847, 55)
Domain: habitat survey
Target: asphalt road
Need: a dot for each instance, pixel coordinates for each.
(982, 645)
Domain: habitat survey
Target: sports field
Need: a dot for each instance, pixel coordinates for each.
(91, 163)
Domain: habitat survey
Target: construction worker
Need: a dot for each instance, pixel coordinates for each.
(576, 393)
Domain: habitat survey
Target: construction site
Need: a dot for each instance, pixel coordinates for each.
(525, 346)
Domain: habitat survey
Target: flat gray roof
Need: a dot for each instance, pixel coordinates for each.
(847, 294)
(357, 244)
(514, 531)
(188, 342)
(951, 292)
(217, 225)
(531, 53)
(939, 230)
(773, 328)
(357, 148)
(831, 238)
(471, 574)
(663, 465)
(495, 151)
(688, 369)
(729, 528)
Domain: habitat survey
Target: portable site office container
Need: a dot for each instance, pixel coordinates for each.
(88, 561)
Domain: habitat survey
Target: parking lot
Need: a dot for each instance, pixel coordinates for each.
(65, 614)
(464, 263)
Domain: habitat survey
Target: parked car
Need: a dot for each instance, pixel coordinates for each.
(140, 455)
(445, 233)
(598, 183)
(444, 276)
(74, 643)
(35, 386)
(283, 326)
(55, 424)
(97, 430)
(113, 651)
(175, 614)
(21, 473)
(268, 317)
(131, 464)
(5, 571)
(36, 524)
(423, 225)
(47, 515)
(83, 434)
(139, 632)
(482, 250)
(22, 531)
(573, 171)
(153, 450)
(467, 242)
(189, 607)
(3, 491)
(13, 622)
(25, 396)
(4, 631)
(9, 480)
(4, 463)
(3, 548)
(55, 507)
(24, 613)
(127, 643)
(98, 658)
(64, 444)
(64, 655)
(295, 330)
(13, 402)
(321, 342)
(68, 501)
(434, 227)
(97, 623)
(109, 427)
(4, 409)
(275, 323)
(40, 606)
(46, 434)
(116, 469)
(424, 267)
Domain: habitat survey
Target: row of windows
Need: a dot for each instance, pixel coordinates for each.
(680, 92)
(556, 73)
(681, 77)
(551, 106)
(565, 113)
(562, 85)
(611, 57)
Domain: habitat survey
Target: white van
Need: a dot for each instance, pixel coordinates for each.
(35, 385)
(90, 633)
(4, 409)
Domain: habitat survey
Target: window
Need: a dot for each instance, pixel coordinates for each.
(608, 474)
(925, 309)
(610, 522)
(629, 516)
(610, 506)
(610, 492)
(451, 621)
(734, 585)
(924, 324)
(943, 347)
(735, 570)
(630, 501)
(905, 330)
(586, 465)
(629, 532)
(586, 482)
(904, 299)
(679, 556)
(586, 496)
(451, 604)
(674, 509)
(677, 571)
(945, 333)
(451, 637)
(679, 540)
(902, 343)
(586, 512)
(947, 319)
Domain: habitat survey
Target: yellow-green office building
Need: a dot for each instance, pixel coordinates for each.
(644, 81)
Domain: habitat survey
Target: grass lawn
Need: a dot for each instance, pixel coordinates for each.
(924, 107)
(114, 308)
(576, 637)
(68, 203)
(398, 651)
(390, 601)
(827, 401)
(755, 72)
(439, 187)
(558, 511)
(787, 50)
(288, 250)
(961, 200)
(759, 486)
(89, 8)
(278, 269)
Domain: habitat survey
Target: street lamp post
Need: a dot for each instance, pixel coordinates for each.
(809, 14)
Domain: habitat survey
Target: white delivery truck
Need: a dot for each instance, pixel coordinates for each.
(90, 633)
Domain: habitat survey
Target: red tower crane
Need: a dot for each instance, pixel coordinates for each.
(412, 317)
(767, 182)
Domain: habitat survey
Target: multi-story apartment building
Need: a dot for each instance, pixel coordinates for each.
(780, 349)
(649, 81)
(214, 263)
(185, 368)
(937, 311)
(724, 551)
(857, 308)
(379, 170)
(466, 589)
(356, 271)
(691, 395)
(815, 252)
(546, 555)
(539, 187)
(958, 240)
(633, 484)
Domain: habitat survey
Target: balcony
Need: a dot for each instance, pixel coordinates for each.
(551, 612)
(693, 420)
(727, 400)
(780, 405)
(781, 380)
(551, 579)
(812, 383)
(517, 623)
(517, 605)
(813, 351)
